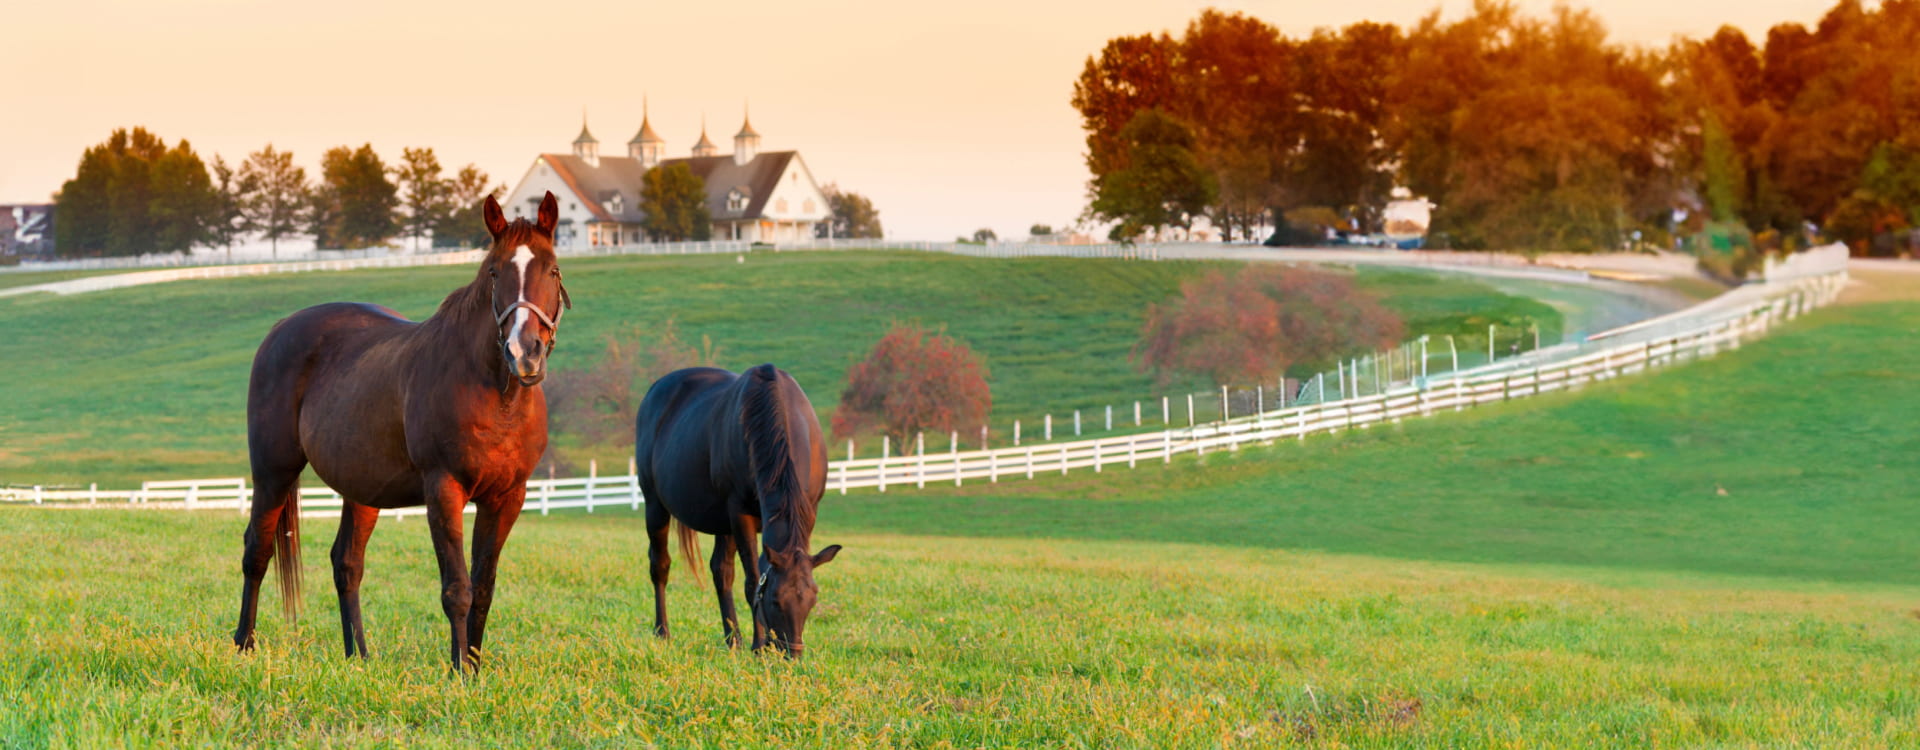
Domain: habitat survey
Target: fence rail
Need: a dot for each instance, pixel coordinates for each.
(1718, 325)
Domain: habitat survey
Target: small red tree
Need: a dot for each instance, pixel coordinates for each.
(914, 381)
(1259, 322)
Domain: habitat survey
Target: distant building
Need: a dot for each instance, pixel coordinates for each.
(753, 195)
(26, 230)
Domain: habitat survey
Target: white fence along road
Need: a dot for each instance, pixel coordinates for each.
(1717, 325)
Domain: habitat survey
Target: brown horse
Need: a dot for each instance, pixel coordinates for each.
(393, 413)
(736, 456)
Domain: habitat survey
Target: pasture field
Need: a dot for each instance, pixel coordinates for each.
(150, 382)
(1561, 572)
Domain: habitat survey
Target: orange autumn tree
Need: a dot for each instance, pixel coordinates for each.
(1254, 325)
(914, 381)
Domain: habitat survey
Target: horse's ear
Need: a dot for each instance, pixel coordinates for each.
(496, 221)
(825, 556)
(549, 213)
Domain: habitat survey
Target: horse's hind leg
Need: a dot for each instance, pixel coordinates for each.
(274, 488)
(660, 560)
(349, 564)
(722, 567)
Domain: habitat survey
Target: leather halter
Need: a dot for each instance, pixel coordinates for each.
(552, 323)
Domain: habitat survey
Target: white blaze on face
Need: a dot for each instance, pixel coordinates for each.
(521, 257)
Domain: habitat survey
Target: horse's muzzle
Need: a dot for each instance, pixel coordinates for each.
(529, 369)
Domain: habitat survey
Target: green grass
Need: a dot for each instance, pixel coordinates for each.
(1558, 572)
(150, 382)
(1788, 458)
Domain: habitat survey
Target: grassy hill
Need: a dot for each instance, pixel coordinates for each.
(150, 382)
(1561, 573)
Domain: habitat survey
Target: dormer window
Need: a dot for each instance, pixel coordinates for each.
(736, 200)
(613, 204)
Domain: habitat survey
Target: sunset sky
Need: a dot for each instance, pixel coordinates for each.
(950, 116)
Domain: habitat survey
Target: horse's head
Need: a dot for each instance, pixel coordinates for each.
(786, 594)
(527, 296)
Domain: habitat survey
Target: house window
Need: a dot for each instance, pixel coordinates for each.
(780, 205)
(736, 200)
(808, 205)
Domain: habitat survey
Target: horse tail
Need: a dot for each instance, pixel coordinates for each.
(763, 419)
(286, 557)
(689, 546)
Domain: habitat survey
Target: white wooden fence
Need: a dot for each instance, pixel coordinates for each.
(1718, 326)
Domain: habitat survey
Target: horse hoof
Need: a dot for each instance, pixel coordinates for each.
(243, 643)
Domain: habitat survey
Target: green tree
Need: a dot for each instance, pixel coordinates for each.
(183, 202)
(853, 215)
(226, 221)
(418, 174)
(130, 226)
(356, 204)
(1040, 230)
(276, 198)
(1162, 184)
(675, 202)
(984, 235)
(459, 223)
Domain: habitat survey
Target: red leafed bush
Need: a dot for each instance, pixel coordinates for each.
(1256, 324)
(914, 381)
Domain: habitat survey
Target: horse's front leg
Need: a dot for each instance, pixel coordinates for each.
(491, 524)
(746, 539)
(722, 567)
(446, 501)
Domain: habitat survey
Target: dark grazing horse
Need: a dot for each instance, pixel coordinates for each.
(393, 413)
(736, 456)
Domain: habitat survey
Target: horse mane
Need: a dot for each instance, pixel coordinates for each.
(763, 419)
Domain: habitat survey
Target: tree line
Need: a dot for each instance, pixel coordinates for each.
(1525, 133)
(132, 195)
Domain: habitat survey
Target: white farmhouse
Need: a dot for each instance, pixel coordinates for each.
(753, 195)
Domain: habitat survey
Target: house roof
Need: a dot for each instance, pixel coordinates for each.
(622, 175)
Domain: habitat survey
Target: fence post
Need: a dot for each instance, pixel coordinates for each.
(546, 495)
(886, 446)
(1166, 446)
(1029, 462)
(1132, 451)
(1096, 456)
(1049, 429)
(1136, 413)
(1076, 423)
(1166, 412)
(1016, 433)
(954, 450)
(843, 468)
(993, 467)
(1190, 422)
(38, 495)
(920, 447)
(1109, 417)
(1490, 354)
(1226, 412)
(1063, 459)
(1260, 399)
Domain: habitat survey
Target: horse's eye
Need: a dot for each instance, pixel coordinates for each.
(493, 274)
(556, 273)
